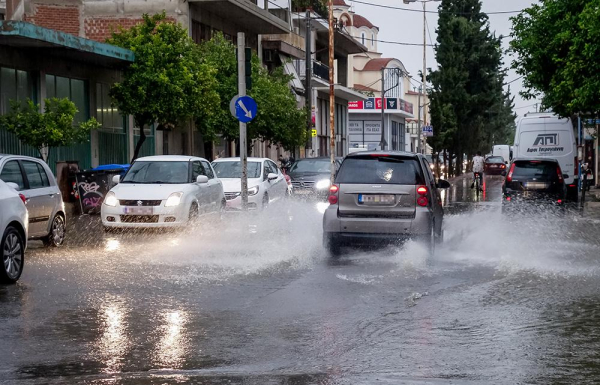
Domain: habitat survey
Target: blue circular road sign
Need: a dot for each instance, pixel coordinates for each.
(245, 109)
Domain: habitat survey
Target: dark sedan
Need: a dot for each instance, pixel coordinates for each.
(533, 183)
(311, 176)
(495, 165)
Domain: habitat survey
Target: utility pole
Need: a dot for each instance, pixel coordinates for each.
(424, 75)
(419, 128)
(331, 93)
(241, 46)
(382, 144)
(308, 69)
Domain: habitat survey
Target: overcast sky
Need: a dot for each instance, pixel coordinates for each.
(407, 27)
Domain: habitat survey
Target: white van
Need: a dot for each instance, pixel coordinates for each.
(545, 135)
(502, 150)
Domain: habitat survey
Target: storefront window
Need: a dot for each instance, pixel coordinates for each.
(108, 116)
(14, 85)
(73, 89)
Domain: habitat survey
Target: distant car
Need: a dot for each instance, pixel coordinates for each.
(385, 197)
(47, 219)
(311, 177)
(533, 183)
(163, 191)
(495, 165)
(13, 230)
(266, 183)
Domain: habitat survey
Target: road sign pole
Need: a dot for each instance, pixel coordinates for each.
(241, 42)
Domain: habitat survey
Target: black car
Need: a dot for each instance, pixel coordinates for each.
(311, 176)
(533, 183)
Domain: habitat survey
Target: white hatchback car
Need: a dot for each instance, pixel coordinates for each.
(163, 191)
(266, 183)
(13, 230)
(47, 219)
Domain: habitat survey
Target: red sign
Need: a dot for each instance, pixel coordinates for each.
(357, 105)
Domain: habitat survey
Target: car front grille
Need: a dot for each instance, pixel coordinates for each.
(231, 195)
(303, 184)
(139, 202)
(139, 218)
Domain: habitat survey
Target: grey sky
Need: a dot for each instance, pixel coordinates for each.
(406, 26)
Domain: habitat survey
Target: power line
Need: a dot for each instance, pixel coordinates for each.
(416, 10)
(531, 105)
(512, 81)
(394, 42)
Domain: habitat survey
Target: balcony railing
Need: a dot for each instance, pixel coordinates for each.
(319, 69)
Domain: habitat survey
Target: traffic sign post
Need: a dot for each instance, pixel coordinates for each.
(245, 109)
(241, 41)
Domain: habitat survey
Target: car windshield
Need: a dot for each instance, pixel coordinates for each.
(312, 165)
(233, 169)
(542, 171)
(380, 170)
(158, 172)
(495, 159)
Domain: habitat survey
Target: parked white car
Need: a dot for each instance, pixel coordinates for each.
(47, 219)
(13, 229)
(163, 191)
(266, 182)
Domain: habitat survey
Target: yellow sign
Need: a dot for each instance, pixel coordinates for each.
(314, 133)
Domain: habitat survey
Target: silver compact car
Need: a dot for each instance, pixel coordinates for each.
(383, 197)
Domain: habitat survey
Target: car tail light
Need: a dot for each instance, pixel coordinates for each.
(422, 199)
(508, 199)
(23, 198)
(333, 194)
(559, 173)
(510, 173)
(559, 201)
(502, 166)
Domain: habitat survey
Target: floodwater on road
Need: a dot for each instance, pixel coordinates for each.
(258, 301)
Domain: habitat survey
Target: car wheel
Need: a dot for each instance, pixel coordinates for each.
(194, 213)
(58, 230)
(13, 255)
(332, 245)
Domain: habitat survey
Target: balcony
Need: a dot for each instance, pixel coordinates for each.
(291, 44)
(319, 70)
(247, 14)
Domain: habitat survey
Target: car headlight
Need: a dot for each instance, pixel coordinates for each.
(323, 184)
(253, 190)
(111, 199)
(174, 199)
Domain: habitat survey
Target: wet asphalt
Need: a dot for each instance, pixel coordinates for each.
(258, 301)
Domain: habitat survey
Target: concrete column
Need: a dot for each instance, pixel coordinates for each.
(94, 136)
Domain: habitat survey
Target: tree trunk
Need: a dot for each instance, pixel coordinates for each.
(446, 163)
(139, 144)
(459, 164)
(44, 150)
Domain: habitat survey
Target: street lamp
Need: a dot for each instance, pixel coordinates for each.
(424, 2)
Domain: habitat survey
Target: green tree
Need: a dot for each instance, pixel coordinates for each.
(469, 108)
(53, 128)
(168, 83)
(557, 49)
(278, 119)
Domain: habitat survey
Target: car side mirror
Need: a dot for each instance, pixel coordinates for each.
(116, 179)
(13, 186)
(202, 179)
(443, 184)
(271, 176)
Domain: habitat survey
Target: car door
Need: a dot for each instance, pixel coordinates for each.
(201, 190)
(214, 186)
(41, 197)
(436, 203)
(279, 184)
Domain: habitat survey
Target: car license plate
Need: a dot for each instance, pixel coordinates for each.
(138, 210)
(302, 192)
(494, 166)
(372, 199)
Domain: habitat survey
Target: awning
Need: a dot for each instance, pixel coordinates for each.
(19, 34)
(343, 92)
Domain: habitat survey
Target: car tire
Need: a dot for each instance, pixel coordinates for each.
(12, 250)
(431, 241)
(58, 231)
(332, 244)
(194, 213)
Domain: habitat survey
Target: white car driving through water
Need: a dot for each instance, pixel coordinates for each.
(13, 232)
(163, 191)
(266, 183)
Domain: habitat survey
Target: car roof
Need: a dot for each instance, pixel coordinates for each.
(320, 158)
(237, 159)
(396, 153)
(168, 158)
(535, 159)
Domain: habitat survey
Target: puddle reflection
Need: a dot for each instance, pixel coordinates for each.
(172, 347)
(114, 342)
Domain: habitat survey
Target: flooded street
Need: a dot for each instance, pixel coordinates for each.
(259, 301)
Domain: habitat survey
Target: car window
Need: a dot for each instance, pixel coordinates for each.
(380, 170)
(197, 169)
(34, 172)
(542, 171)
(208, 170)
(428, 171)
(495, 159)
(311, 165)
(273, 168)
(12, 173)
(233, 169)
(158, 172)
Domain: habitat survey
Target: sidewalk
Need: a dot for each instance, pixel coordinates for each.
(592, 203)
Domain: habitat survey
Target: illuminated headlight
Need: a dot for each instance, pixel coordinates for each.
(111, 199)
(253, 190)
(322, 184)
(431, 166)
(174, 199)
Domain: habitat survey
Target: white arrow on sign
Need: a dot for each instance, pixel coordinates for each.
(248, 113)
